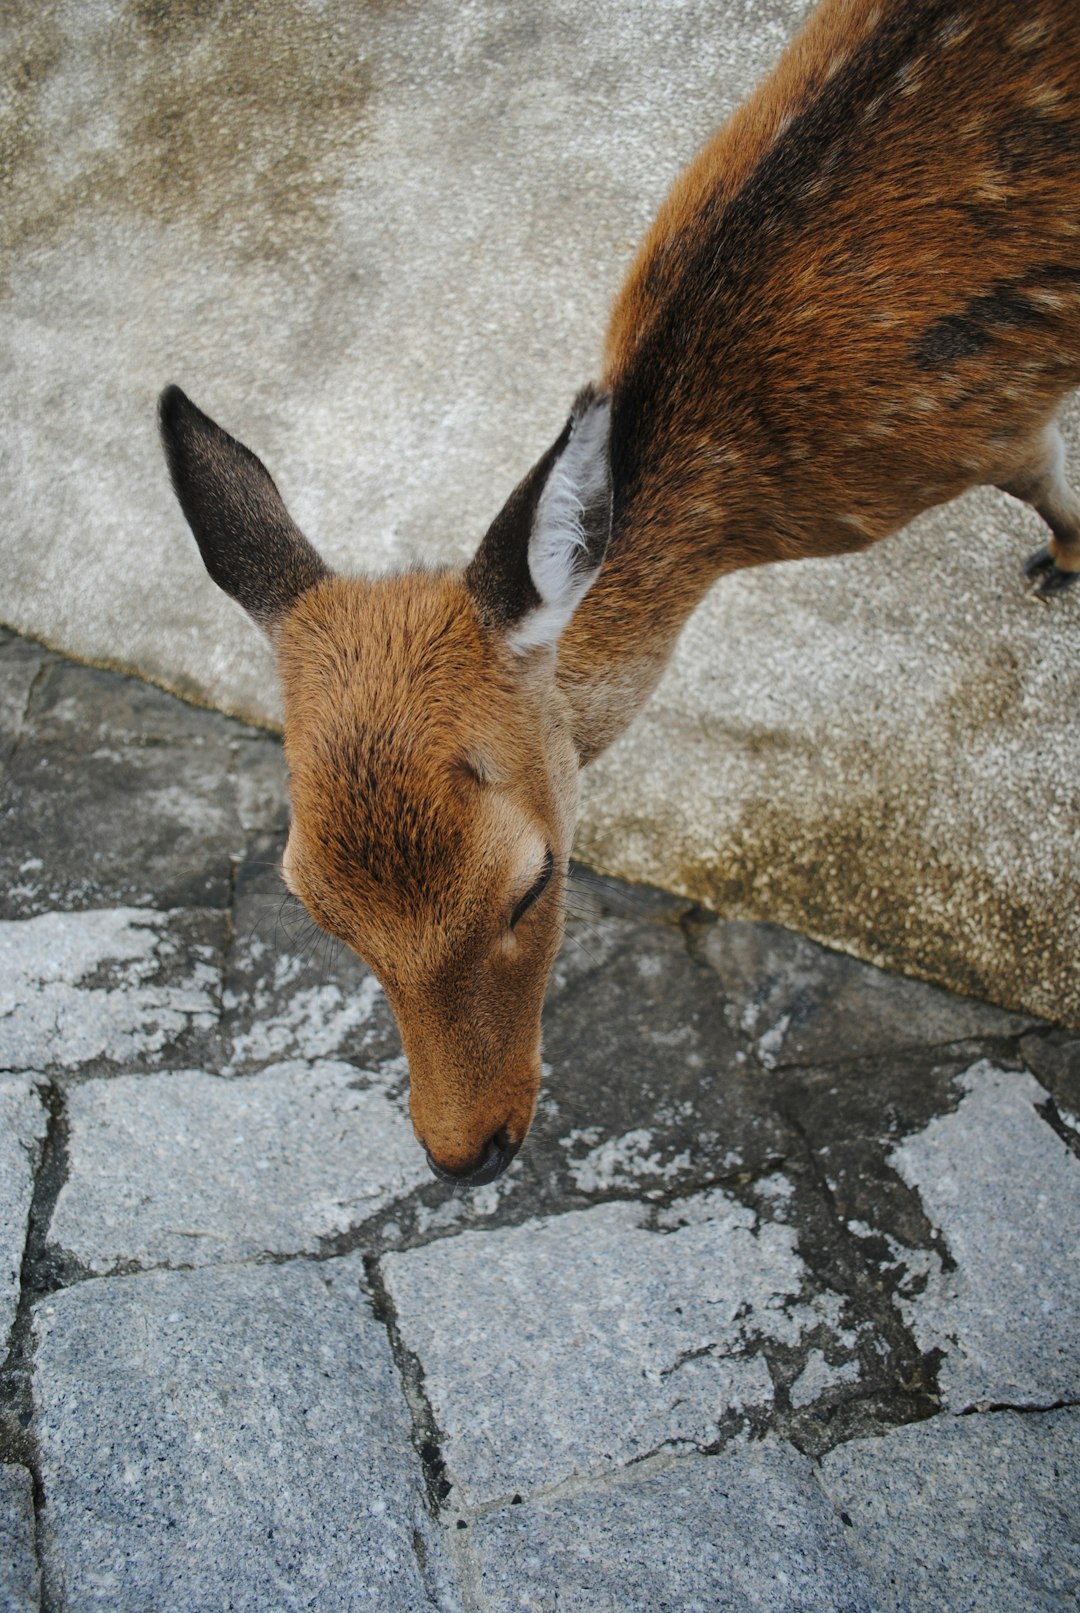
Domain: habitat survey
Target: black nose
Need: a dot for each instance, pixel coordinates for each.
(497, 1153)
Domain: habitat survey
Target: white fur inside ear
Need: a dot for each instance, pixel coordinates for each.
(559, 562)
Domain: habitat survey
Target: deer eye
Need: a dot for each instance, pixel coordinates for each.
(534, 891)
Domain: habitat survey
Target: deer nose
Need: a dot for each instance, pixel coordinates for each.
(496, 1155)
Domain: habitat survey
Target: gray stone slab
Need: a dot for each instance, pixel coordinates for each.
(23, 1124)
(1054, 1059)
(291, 991)
(647, 1084)
(966, 1513)
(804, 1004)
(189, 1169)
(748, 1529)
(20, 1586)
(20, 662)
(118, 793)
(1004, 1190)
(575, 1345)
(120, 985)
(232, 1438)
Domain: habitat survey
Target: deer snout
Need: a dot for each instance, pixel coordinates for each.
(495, 1156)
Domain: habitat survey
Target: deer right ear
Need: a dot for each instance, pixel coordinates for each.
(544, 549)
(248, 541)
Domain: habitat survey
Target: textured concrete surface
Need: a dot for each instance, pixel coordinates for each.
(777, 1307)
(379, 243)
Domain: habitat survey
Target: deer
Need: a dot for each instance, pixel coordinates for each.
(859, 300)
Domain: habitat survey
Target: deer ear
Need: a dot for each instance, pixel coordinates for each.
(543, 551)
(247, 539)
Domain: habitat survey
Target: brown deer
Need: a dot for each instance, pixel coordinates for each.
(861, 299)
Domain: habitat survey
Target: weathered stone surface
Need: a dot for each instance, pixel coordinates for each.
(120, 985)
(966, 1513)
(803, 1004)
(576, 1345)
(292, 991)
(20, 663)
(23, 1124)
(647, 1082)
(232, 1438)
(860, 749)
(1055, 1059)
(19, 1580)
(117, 794)
(838, 748)
(1004, 1191)
(746, 1529)
(188, 1169)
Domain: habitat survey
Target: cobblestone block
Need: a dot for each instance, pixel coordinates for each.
(233, 1438)
(1004, 1190)
(804, 1004)
(966, 1513)
(189, 1169)
(119, 986)
(575, 1345)
(19, 1582)
(746, 1529)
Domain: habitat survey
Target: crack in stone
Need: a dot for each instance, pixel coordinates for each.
(984, 1406)
(427, 1441)
(18, 1441)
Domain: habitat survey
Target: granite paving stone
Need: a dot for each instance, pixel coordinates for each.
(23, 1123)
(118, 793)
(802, 1003)
(187, 1169)
(232, 1438)
(776, 1206)
(595, 1338)
(20, 663)
(1004, 1190)
(19, 1580)
(966, 1514)
(747, 1529)
(117, 984)
(291, 991)
(647, 1082)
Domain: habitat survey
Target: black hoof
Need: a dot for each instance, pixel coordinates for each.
(1042, 560)
(1053, 579)
(1055, 582)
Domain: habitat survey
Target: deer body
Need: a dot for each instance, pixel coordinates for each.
(862, 298)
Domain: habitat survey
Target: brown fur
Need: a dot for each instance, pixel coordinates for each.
(859, 300)
(425, 783)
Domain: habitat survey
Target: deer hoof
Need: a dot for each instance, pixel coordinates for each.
(1053, 580)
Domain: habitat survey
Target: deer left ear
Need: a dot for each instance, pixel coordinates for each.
(544, 549)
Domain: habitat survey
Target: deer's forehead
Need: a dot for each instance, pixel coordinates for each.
(404, 819)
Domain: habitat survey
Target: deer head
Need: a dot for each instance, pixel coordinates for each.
(432, 766)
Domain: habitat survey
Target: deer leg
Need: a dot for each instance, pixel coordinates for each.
(1044, 487)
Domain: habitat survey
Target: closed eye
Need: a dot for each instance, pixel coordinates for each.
(534, 891)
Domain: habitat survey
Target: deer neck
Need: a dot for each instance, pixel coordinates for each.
(616, 645)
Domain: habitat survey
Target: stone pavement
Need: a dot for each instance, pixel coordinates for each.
(779, 1307)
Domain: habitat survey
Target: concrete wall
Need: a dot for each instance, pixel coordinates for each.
(378, 242)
